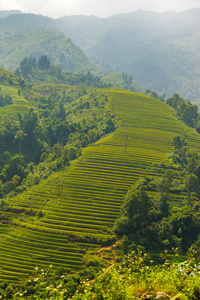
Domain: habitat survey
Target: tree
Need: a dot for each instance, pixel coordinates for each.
(20, 134)
(164, 186)
(92, 135)
(181, 149)
(135, 212)
(1, 189)
(191, 184)
(7, 188)
(14, 167)
(30, 121)
(174, 101)
(147, 92)
(61, 111)
(154, 95)
(165, 182)
(5, 100)
(163, 203)
(178, 143)
(193, 163)
(7, 156)
(43, 63)
(26, 65)
(57, 150)
(185, 227)
(187, 111)
(15, 181)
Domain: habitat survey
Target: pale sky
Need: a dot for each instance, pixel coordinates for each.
(100, 8)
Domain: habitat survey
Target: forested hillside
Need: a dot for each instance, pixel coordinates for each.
(6, 13)
(17, 43)
(160, 50)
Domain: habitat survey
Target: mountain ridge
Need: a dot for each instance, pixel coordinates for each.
(36, 41)
(160, 50)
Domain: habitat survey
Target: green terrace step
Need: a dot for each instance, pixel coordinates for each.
(37, 257)
(56, 229)
(66, 255)
(63, 217)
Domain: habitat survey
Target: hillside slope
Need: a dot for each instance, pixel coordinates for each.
(6, 13)
(81, 203)
(11, 84)
(20, 42)
(160, 50)
(123, 81)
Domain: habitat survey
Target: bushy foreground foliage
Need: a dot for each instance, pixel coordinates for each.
(131, 277)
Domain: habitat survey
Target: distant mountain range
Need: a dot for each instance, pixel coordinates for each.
(160, 50)
(6, 13)
(24, 35)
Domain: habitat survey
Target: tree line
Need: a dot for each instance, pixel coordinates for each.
(185, 110)
(163, 213)
(37, 71)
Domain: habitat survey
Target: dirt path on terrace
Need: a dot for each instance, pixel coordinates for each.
(112, 263)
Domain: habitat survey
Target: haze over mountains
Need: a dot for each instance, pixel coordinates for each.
(160, 50)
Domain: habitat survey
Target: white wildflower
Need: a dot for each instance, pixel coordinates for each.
(36, 279)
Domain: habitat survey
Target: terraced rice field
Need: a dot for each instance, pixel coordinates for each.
(85, 198)
(20, 104)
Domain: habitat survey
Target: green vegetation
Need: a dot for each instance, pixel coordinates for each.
(42, 71)
(6, 13)
(81, 202)
(158, 53)
(186, 111)
(5, 99)
(163, 213)
(45, 136)
(99, 186)
(124, 81)
(37, 41)
(114, 275)
(69, 157)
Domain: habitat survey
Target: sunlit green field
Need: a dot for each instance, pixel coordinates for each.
(20, 105)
